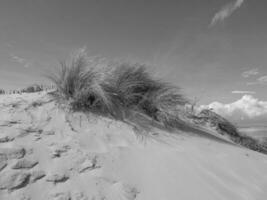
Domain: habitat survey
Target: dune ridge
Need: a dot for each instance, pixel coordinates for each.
(86, 156)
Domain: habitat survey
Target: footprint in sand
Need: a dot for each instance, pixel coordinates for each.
(30, 130)
(10, 123)
(57, 178)
(25, 164)
(57, 150)
(37, 175)
(88, 164)
(6, 138)
(3, 164)
(12, 153)
(11, 180)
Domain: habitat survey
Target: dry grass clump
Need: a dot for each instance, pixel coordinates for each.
(81, 85)
(138, 91)
(164, 105)
(116, 91)
(131, 83)
(224, 127)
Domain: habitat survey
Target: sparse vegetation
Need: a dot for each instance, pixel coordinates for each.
(116, 91)
(2, 91)
(128, 92)
(224, 127)
(33, 88)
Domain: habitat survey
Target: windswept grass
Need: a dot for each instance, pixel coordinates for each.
(81, 86)
(164, 104)
(116, 90)
(131, 83)
(129, 93)
(137, 90)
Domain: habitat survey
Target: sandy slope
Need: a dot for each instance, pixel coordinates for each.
(46, 154)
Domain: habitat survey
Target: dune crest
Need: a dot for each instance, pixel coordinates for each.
(52, 154)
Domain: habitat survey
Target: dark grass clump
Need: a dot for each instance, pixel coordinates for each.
(2, 91)
(117, 91)
(136, 90)
(131, 83)
(81, 86)
(164, 105)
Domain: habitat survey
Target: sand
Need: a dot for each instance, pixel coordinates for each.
(46, 153)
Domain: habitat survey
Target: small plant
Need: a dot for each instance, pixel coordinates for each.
(32, 89)
(2, 91)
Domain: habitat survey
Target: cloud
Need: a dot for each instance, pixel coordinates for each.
(26, 63)
(248, 108)
(251, 72)
(18, 59)
(242, 92)
(260, 81)
(226, 11)
(263, 79)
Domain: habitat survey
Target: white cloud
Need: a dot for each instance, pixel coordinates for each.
(242, 92)
(26, 63)
(251, 72)
(226, 11)
(247, 108)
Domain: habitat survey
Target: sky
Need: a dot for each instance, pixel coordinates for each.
(215, 50)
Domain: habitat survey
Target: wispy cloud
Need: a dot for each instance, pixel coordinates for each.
(251, 72)
(260, 81)
(18, 59)
(23, 61)
(226, 11)
(263, 79)
(242, 92)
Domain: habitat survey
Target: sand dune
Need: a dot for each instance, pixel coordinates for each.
(46, 153)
